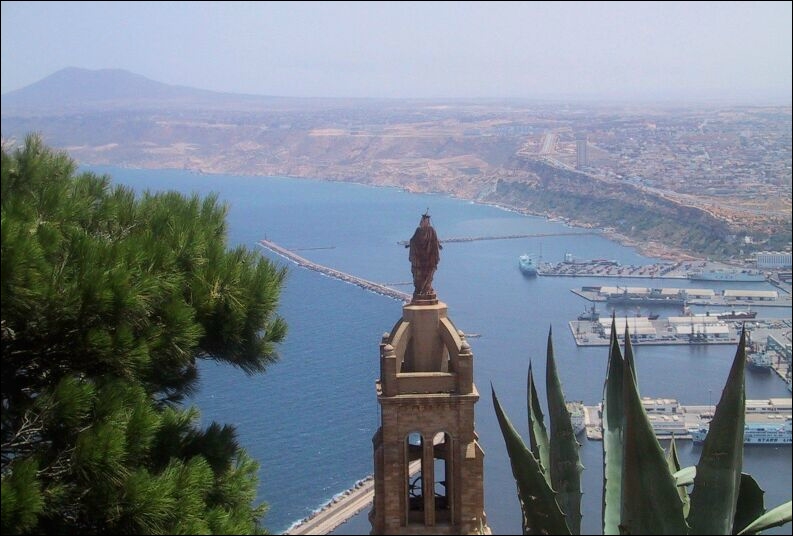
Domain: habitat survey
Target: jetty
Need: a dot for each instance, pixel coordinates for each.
(342, 507)
(506, 237)
(336, 274)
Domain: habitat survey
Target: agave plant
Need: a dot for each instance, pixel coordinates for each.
(645, 491)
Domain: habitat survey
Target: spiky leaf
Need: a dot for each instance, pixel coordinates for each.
(612, 423)
(541, 513)
(683, 477)
(750, 503)
(538, 436)
(775, 517)
(565, 465)
(650, 502)
(716, 486)
(672, 460)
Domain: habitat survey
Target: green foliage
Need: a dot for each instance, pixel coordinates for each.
(108, 300)
(645, 491)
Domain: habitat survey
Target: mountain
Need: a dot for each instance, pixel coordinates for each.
(75, 89)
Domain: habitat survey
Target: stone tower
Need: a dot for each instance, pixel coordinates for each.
(428, 465)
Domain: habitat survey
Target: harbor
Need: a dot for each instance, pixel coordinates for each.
(767, 421)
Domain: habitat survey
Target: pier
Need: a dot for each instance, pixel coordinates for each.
(670, 418)
(336, 274)
(679, 296)
(342, 507)
(506, 237)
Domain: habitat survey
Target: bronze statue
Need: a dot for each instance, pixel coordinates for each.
(424, 256)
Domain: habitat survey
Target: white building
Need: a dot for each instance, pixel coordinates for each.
(773, 259)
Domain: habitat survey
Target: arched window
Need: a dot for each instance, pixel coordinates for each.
(442, 454)
(414, 447)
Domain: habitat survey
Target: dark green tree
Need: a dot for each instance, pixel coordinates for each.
(108, 300)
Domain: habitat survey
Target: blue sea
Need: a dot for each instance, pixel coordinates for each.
(310, 418)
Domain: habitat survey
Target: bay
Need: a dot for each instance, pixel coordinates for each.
(310, 418)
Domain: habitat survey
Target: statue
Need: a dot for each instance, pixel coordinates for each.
(424, 256)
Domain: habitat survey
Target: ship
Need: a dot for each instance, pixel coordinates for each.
(737, 315)
(577, 419)
(776, 430)
(761, 360)
(591, 315)
(727, 275)
(654, 297)
(528, 265)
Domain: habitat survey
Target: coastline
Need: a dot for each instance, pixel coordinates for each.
(647, 248)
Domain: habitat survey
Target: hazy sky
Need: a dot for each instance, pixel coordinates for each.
(618, 50)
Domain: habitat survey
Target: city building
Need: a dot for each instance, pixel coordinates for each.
(773, 260)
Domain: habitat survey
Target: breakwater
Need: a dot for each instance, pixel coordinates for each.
(336, 274)
(506, 237)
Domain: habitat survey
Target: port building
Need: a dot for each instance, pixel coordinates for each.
(773, 260)
(751, 295)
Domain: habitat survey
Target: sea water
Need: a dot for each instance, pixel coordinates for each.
(310, 417)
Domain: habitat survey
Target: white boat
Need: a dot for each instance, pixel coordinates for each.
(727, 275)
(576, 410)
(528, 265)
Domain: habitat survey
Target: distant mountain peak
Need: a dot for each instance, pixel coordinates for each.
(76, 87)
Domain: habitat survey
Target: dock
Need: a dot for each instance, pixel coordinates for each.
(336, 274)
(677, 296)
(658, 332)
(669, 418)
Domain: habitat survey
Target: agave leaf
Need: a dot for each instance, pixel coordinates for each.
(672, 460)
(612, 423)
(750, 503)
(716, 486)
(541, 513)
(565, 465)
(538, 436)
(773, 518)
(629, 356)
(685, 476)
(650, 502)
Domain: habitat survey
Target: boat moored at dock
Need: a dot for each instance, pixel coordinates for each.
(527, 265)
(770, 430)
(727, 275)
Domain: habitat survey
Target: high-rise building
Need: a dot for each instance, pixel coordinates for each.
(580, 149)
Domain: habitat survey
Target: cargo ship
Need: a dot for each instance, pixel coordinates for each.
(654, 297)
(727, 275)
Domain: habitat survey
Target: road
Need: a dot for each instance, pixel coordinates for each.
(343, 507)
(339, 510)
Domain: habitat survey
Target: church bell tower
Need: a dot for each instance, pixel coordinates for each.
(428, 464)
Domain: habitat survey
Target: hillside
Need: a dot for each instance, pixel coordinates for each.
(517, 154)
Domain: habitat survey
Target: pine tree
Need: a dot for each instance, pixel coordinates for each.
(108, 300)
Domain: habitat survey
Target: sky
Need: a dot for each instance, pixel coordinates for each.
(606, 50)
